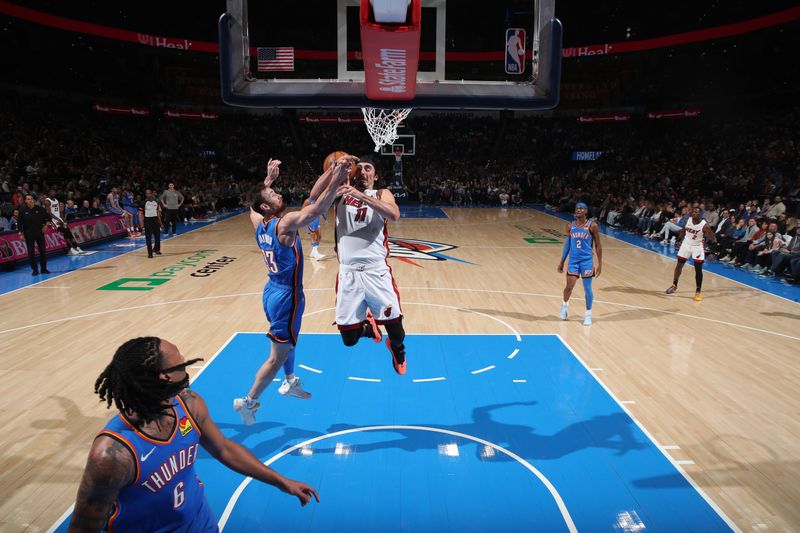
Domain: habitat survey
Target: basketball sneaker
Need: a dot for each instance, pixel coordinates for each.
(376, 336)
(247, 410)
(587, 318)
(398, 357)
(671, 290)
(564, 310)
(293, 388)
(315, 254)
(698, 297)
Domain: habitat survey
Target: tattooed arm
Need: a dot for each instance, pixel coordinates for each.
(237, 457)
(110, 467)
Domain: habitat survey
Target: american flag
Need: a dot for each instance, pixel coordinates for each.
(280, 58)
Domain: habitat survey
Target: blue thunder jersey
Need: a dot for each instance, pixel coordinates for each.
(126, 201)
(166, 495)
(284, 263)
(283, 297)
(580, 250)
(580, 241)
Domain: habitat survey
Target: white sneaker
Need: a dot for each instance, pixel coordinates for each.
(564, 311)
(246, 411)
(315, 254)
(587, 319)
(79, 250)
(73, 251)
(293, 389)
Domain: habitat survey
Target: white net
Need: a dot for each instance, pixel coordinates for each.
(382, 124)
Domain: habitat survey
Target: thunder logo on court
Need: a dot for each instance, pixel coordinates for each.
(408, 250)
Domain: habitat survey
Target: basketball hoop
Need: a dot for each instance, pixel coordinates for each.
(382, 124)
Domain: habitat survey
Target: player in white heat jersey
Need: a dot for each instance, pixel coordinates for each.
(693, 234)
(366, 293)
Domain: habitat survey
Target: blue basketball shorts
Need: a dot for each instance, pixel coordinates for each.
(581, 267)
(283, 307)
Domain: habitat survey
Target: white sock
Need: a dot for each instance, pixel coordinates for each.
(588, 312)
(289, 378)
(564, 304)
(248, 401)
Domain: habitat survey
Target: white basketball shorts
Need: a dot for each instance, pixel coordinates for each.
(362, 287)
(693, 250)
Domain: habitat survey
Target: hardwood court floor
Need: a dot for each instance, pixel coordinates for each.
(715, 382)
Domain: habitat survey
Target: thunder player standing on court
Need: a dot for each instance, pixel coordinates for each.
(283, 297)
(365, 280)
(581, 236)
(693, 234)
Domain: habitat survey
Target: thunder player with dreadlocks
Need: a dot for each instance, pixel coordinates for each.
(581, 236)
(140, 474)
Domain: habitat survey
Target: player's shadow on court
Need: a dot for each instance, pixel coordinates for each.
(172, 254)
(73, 420)
(510, 314)
(267, 448)
(105, 267)
(636, 314)
(624, 289)
(731, 468)
(67, 426)
(781, 314)
(613, 432)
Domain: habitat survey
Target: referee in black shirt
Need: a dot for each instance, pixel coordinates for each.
(32, 220)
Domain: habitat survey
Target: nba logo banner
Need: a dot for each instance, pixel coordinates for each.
(515, 51)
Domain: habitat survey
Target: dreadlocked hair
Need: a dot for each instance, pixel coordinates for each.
(131, 381)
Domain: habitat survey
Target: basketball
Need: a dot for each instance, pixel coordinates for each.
(331, 159)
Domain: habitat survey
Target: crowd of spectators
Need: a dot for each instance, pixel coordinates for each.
(80, 157)
(755, 235)
(742, 168)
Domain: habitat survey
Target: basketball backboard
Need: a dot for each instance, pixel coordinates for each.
(504, 54)
(406, 143)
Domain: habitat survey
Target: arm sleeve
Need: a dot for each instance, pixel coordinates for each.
(565, 251)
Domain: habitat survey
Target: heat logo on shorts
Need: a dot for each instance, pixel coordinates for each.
(407, 250)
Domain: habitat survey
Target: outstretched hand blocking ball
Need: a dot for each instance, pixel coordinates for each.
(331, 159)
